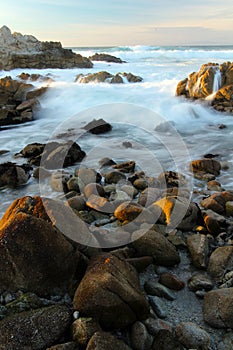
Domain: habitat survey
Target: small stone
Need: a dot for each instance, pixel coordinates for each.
(155, 325)
(77, 202)
(128, 211)
(220, 262)
(106, 341)
(83, 329)
(98, 126)
(114, 177)
(152, 287)
(171, 281)
(125, 167)
(158, 306)
(106, 162)
(100, 204)
(192, 336)
(199, 249)
(229, 208)
(140, 339)
(200, 282)
(93, 188)
(140, 184)
(58, 181)
(73, 184)
(214, 186)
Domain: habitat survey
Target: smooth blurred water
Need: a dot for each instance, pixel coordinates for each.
(161, 69)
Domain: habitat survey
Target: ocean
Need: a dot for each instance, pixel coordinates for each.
(165, 131)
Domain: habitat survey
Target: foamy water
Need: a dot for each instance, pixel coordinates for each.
(138, 111)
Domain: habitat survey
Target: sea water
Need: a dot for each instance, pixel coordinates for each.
(166, 131)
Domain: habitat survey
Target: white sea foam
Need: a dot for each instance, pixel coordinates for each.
(161, 69)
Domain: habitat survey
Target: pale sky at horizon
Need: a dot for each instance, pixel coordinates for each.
(121, 22)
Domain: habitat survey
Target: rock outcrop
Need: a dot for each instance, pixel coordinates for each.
(212, 79)
(105, 77)
(106, 58)
(25, 51)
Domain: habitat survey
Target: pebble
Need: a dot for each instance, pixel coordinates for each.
(152, 287)
(158, 306)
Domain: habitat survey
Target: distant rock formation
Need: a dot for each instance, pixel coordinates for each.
(212, 79)
(25, 51)
(106, 58)
(105, 77)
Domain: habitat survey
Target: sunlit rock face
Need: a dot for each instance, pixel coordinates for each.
(25, 51)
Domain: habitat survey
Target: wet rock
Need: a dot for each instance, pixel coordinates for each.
(198, 248)
(125, 167)
(200, 281)
(77, 203)
(192, 336)
(32, 150)
(140, 339)
(229, 208)
(154, 244)
(114, 177)
(140, 184)
(171, 281)
(131, 77)
(36, 329)
(128, 211)
(25, 51)
(158, 306)
(171, 179)
(98, 126)
(218, 308)
(12, 175)
(154, 326)
(34, 256)
(106, 162)
(83, 329)
(165, 340)
(220, 262)
(227, 342)
(87, 175)
(148, 196)
(140, 263)
(100, 204)
(179, 212)
(110, 292)
(106, 58)
(214, 222)
(66, 346)
(58, 181)
(215, 202)
(106, 341)
(99, 77)
(152, 287)
(210, 166)
(214, 186)
(93, 188)
(182, 88)
(73, 184)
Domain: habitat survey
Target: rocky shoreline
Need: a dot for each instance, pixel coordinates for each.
(145, 281)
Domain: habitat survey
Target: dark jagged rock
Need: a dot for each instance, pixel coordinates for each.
(106, 58)
(98, 126)
(25, 51)
(12, 175)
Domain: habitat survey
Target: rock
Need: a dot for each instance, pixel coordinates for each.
(148, 196)
(25, 51)
(36, 329)
(217, 201)
(171, 179)
(105, 77)
(34, 256)
(77, 203)
(32, 150)
(155, 244)
(73, 184)
(87, 175)
(198, 248)
(131, 77)
(154, 288)
(223, 98)
(100, 204)
(199, 281)
(140, 184)
(106, 341)
(110, 292)
(117, 79)
(214, 222)
(125, 167)
(182, 88)
(128, 211)
(158, 306)
(171, 281)
(114, 177)
(93, 188)
(140, 263)
(105, 57)
(154, 326)
(165, 340)
(16, 106)
(192, 336)
(140, 339)
(229, 208)
(227, 341)
(66, 346)
(179, 212)
(106, 162)
(58, 181)
(98, 126)
(12, 175)
(83, 329)
(210, 166)
(214, 186)
(218, 308)
(221, 261)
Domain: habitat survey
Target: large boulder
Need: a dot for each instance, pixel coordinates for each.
(110, 292)
(36, 329)
(34, 256)
(25, 51)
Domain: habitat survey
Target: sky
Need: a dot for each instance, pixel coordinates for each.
(122, 22)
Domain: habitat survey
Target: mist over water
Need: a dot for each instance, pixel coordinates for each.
(161, 69)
